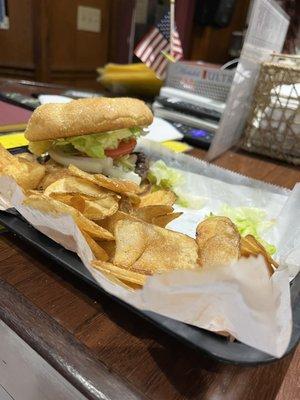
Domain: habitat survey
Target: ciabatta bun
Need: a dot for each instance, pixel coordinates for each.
(86, 116)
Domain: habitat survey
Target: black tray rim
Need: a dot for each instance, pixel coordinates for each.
(183, 332)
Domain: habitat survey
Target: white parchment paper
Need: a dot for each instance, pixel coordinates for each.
(240, 299)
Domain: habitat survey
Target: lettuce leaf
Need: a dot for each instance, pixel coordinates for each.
(93, 145)
(163, 177)
(188, 200)
(127, 162)
(250, 221)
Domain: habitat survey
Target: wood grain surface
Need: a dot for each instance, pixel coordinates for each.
(61, 349)
(145, 358)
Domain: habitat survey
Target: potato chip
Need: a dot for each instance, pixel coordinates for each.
(110, 222)
(53, 166)
(6, 158)
(71, 184)
(163, 197)
(218, 250)
(82, 174)
(147, 213)
(49, 205)
(128, 285)
(91, 207)
(77, 201)
(33, 192)
(131, 241)
(250, 246)
(148, 249)
(109, 246)
(100, 208)
(115, 185)
(134, 199)
(27, 156)
(120, 273)
(26, 173)
(125, 205)
(63, 197)
(97, 250)
(214, 226)
(218, 241)
(164, 220)
(35, 173)
(96, 231)
(129, 202)
(52, 175)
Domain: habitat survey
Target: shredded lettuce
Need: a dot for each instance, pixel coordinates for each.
(93, 145)
(250, 221)
(188, 200)
(163, 177)
(127, 162)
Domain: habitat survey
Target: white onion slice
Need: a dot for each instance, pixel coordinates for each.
(94, 165)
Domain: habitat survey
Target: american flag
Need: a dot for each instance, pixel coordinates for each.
(155, 43)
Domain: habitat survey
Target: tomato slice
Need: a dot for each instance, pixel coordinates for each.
(124, 148)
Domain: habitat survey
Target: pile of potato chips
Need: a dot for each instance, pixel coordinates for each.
(124, 224)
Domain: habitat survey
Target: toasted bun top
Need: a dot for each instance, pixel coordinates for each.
(86, 116)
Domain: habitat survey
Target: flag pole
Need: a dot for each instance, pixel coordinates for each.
(172, 24)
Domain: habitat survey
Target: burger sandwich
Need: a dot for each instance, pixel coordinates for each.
(97, 135)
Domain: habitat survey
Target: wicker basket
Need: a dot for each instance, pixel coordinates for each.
(273, 125)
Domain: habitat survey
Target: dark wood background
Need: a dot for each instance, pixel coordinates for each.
(211, 43)
(148, 363)
(44, 44)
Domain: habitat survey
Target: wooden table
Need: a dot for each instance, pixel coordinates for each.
(99, 346)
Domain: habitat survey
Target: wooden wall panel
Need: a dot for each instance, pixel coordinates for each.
(184, 13)
(16, 43)
(43, 42)
(71, 49)
(40, 11)
(119, 33)
(212, 44)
